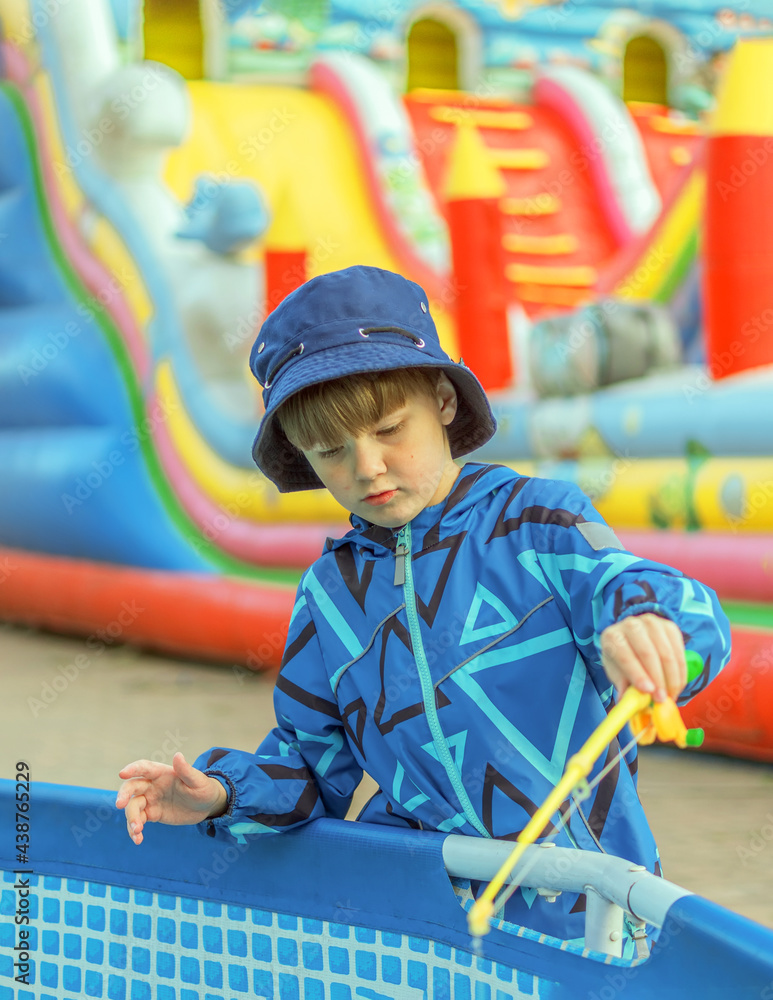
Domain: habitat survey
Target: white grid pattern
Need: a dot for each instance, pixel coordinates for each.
(112, 943)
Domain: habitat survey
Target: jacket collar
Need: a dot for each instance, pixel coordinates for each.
(475, 481)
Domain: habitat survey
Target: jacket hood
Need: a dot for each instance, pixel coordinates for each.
(475, 482)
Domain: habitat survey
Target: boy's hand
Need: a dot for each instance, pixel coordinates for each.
(645, 651)
(160, 793)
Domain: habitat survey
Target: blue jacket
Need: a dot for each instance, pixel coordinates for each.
(456, 660)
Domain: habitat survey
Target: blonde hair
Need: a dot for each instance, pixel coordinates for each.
(328, 412)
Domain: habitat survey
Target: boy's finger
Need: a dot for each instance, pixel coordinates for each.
(659, 659)
(667, 665)
(143, 769)
(678, 678)
(184, 771)
(674, 669)
(646, 634)
(123, 796)
(135, 818)
(131, 788)
(622, 655)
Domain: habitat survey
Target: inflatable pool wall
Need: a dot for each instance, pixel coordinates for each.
(333, 911)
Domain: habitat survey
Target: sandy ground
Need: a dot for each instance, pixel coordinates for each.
(77, 715)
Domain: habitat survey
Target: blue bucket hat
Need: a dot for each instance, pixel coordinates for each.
(360, 319)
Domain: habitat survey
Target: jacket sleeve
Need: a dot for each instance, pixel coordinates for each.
(304, 768)
(597, 583)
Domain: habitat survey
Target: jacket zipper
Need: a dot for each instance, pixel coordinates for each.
(400, 553)
(404, 578)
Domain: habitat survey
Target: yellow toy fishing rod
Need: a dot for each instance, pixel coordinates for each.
(649, 720)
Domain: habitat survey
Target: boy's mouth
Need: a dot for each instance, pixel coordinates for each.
(376, 499)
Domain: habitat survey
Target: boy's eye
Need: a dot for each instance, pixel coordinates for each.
(329, 453)
(391, 429)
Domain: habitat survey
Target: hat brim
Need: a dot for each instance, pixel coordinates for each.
(287, 467)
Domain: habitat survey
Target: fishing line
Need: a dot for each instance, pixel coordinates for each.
(578, 795)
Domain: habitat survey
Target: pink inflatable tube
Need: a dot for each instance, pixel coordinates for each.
(293, 546)
(739, 567)
(99, 281)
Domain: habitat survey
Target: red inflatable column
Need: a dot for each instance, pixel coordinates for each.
(285, 259)
(472, 192)
(738, 241)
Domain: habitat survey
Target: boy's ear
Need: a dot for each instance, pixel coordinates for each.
(447, 400)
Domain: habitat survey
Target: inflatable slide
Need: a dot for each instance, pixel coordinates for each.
(128, 456)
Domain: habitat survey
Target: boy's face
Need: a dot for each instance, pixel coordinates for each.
(394, 469)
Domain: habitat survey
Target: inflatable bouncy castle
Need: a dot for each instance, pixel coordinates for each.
(581, 192)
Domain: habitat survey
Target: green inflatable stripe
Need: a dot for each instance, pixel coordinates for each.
(748, 613)
(220, 561)
(676, 274)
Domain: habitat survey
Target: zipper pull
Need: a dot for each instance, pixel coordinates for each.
(400, 553)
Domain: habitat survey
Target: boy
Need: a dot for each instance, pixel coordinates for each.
(462, 640)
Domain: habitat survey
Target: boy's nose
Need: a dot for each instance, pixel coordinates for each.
(368, 460)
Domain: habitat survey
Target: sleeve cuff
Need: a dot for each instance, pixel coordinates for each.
(211, 823)
(650, 608)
